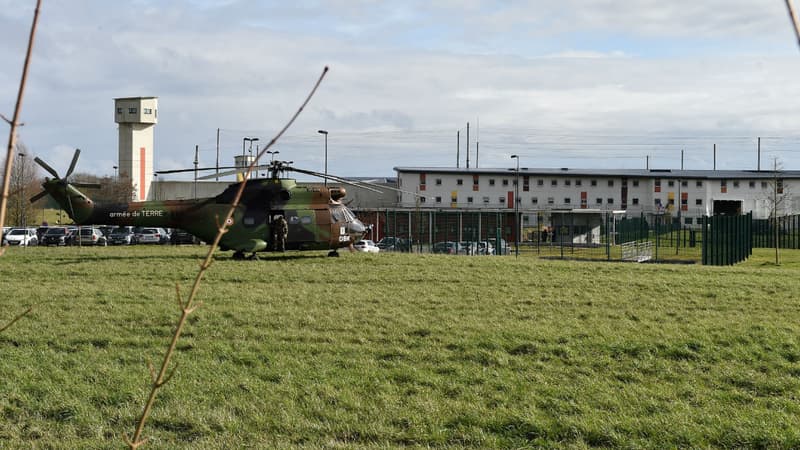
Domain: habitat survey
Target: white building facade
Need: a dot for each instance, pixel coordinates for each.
(685, 194)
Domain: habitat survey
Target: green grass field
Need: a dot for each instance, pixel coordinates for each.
(397, 350)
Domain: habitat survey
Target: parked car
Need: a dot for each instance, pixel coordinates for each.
(58, 236)
(122, 236)
(395, 244)
(40, 232)
(21, 237)
(477, 248)
(178, 236)
(148, 235)
(366, 245)
(91, 236)
(448, 247)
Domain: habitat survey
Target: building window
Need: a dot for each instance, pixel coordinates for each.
(475, 184)
(438, 199)
(491, 181)
(684, 183)
(763, 185)
(550, 200)
(610, 201)
(438, 181)
(485, 199)
(688, 220)
(422, 199)
(684, 202)
(460, 182)
(501, 199)
(119, 110)
(578, 182)
(657, 201)
(780, 186)
(671, 183)
(657, 185)
(469, 199)
(752, 184)
(698, 201)
(535, 200)
(698, 183)
(593, 183)
(553, 182)
(131, 110)
(599, 201)
(610, 183)
(736, 184)
(723, 186)
(567, 200)
(505, 182)
(540, 182)
(147, 110)
(422, 185)
(567, 182)
(635, 201)
(671, 202)
(526, 183)
(635, 183)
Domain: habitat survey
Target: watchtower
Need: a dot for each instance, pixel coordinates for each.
(136, 117)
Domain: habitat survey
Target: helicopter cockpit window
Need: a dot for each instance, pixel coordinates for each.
(342, 214)
(338, 214)
(294, 220)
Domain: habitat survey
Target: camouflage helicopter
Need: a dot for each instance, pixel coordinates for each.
(316, 217)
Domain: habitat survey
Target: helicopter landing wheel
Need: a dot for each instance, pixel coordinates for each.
(238, 256)
(333, 254)
(253, 257)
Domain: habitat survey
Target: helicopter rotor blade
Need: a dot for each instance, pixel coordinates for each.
(46, 167)
(203, 169)
(87, 185)
(73, 163)
(38, 196)
(231, 172)
(337, 179)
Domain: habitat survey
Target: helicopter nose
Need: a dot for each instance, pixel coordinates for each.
(356, 228)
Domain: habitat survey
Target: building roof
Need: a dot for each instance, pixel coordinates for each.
(609, 173)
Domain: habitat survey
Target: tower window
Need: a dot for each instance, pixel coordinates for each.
(131, 110)
(119, 110)
(148, 110)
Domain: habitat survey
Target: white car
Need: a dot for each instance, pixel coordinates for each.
(366, 245)
(21, 237)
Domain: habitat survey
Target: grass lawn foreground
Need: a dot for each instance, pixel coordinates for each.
(393, 350)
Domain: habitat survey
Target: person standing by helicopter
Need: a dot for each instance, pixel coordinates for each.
(280, 232)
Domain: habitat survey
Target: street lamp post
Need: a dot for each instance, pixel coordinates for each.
(326, 154)
(516, 208)
(22, 195)
(116, 176)
(272, 154)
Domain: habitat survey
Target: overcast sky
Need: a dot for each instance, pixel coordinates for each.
(583, 84)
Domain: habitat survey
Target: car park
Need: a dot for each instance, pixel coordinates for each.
(58, 236)
(448, 247)
(150, 235)
(366, 245)
(21, 237)
(91, 236)
(394, 244)
(122, 236)
(178, 236)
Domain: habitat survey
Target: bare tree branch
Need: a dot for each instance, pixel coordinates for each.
(189, 306)
(795, 21)
(25, 313)
(12, 135)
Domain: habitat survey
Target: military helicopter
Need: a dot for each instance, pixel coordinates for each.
(317, 219)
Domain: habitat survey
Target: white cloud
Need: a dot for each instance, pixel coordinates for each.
(560, 77)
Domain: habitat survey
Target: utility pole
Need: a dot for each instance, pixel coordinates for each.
(681, 159)
(217, 154)
(196, 161)
(467, 145)
(758, 167)
(458, 147)
(647, 162)
(715, 156)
